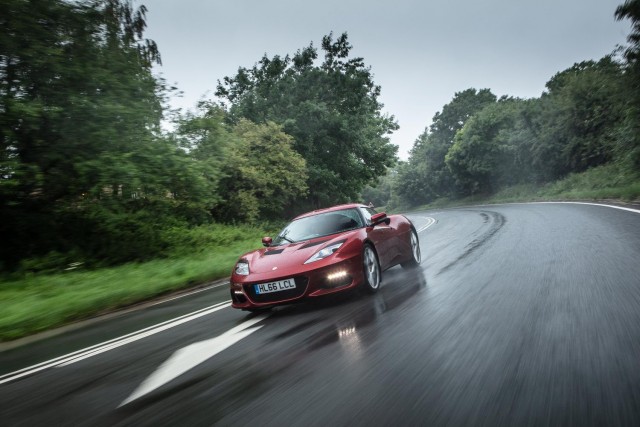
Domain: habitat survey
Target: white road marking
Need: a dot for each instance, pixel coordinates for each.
(191, 356)
(100, 348)
(94, 350)
(592, 204)
(556, 203)
(197, 291)
(430, 222)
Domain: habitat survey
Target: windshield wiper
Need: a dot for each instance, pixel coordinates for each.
(284, 237)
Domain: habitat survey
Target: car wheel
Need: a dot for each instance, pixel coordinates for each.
(416, 256)
(371, 266)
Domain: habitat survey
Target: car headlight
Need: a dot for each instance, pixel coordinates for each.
(242, 268)
(324, 252)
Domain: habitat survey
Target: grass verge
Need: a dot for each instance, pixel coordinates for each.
(34, 303)
(38, 302)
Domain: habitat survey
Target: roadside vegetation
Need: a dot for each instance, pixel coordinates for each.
(602, 184)
(101, 206)
(34, 301)
(580, 139)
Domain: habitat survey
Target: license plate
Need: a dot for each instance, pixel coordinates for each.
(280, 285)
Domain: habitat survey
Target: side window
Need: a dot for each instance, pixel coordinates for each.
(353, 219)
(367, 213)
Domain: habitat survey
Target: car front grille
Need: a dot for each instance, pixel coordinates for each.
(301, 287)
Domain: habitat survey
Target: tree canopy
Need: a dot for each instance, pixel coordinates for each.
(79, 109)
(426, 176)
(482, 144)
(331, 109)
(89, 170)
(630, 143)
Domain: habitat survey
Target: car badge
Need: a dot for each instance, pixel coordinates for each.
(274, 268)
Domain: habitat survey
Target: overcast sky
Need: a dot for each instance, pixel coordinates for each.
(421, 52)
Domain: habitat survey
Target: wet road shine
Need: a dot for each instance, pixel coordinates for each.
(518, 315)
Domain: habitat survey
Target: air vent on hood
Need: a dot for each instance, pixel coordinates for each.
(308, 245)
(273, 252)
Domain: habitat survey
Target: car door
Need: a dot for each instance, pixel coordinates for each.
(381, 235)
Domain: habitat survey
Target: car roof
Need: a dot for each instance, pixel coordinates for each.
(331, 209)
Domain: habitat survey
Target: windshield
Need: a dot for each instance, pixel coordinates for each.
(323, 224)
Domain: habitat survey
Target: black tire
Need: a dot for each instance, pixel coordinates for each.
(371, 270)
(416, 256)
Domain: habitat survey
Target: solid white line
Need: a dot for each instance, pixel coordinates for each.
(137, 337)
(552, 203)
(430, 222)
(591, 204)
(116, 339)
(111, 344)
(189, 293)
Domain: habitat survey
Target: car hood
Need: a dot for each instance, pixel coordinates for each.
(291, 255)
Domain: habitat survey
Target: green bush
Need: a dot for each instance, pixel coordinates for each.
(610, 176)
(186, 240)
(51, 262)
(49, 292)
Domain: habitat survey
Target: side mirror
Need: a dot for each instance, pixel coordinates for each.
(379, 218)
(266, 241)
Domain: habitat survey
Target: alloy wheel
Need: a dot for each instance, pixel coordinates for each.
(371, 269)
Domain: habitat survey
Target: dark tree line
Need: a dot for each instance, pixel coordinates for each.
(78, 112)
(587, 117)
(87, 173)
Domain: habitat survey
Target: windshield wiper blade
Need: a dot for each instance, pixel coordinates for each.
(284, 237)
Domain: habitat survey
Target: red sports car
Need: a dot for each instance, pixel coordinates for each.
(322, 252)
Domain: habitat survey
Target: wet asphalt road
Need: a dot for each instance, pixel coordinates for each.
(519, 315)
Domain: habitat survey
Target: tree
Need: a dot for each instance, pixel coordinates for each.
(331, 110)
(582, 110)
(205, 138)
(629, 146)
(262, 174)
(411, 186)
(492, 149)
(630, 9)
(79, 116)
(572, 127)
(75, 84)
(380, 193)
(426, 176)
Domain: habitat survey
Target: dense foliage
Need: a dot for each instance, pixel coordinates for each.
(426, 176)
(330, 109)
(87, 173)
(78, 112)
(587, 117)
(630, 143)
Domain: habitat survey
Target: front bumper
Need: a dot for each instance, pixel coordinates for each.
(324, 280)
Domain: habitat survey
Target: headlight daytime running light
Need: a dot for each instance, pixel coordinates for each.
(242, 268)
(324, 252)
